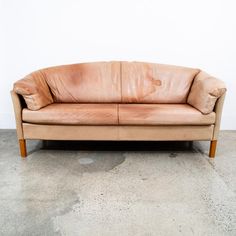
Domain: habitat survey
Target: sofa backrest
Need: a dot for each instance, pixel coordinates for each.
(127, 82)
(97, 82)
(107, 82)
(155, 83)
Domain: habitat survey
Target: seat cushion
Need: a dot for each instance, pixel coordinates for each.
(155, 83)
(162, 114)
(97, 82)
(71, 114)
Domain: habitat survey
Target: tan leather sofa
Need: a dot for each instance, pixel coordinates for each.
(118, 101)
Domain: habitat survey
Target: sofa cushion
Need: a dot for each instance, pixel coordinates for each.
(155, 83)
(86, 82)
(73, 114)
(205, 91)
(162, 114)
(34, 90)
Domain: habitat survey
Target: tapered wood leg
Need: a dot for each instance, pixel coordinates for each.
(213, 148)
(22, 144)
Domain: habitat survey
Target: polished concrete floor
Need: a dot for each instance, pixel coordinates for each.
(100, 189)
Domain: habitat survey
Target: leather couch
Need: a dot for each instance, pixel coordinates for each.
(118, 101)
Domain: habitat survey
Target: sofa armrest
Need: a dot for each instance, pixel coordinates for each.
(218, 110)
(205, 91)
(18, 106)
(34, 90)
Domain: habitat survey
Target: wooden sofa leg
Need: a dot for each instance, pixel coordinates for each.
(213, 148)
(22, 144)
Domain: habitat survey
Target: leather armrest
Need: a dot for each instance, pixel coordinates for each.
(205, 91)
(17, 105)
(34, 90)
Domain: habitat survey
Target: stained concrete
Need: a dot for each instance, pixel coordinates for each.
(80, 188)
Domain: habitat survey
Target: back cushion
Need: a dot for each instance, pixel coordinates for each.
(155, 83)
(86, 82)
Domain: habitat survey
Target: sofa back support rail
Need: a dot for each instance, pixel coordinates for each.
(118, 101)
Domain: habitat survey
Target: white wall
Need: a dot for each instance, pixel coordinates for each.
(40, 33)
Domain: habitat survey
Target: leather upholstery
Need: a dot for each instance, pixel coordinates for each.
(35, 90)
(117, 82)
(107, 82)
(165, 132)
(118, 132)
(16, 99)
(82, 102)
(73, 114)
(113, 114)
(162, 114)
(218, 110)
(97, 82)
(205, 91)
(120, 82)
(155, 83)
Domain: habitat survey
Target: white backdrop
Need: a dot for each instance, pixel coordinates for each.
(40, 33)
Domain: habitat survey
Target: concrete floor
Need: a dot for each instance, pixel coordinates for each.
(157, 188)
